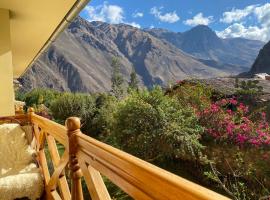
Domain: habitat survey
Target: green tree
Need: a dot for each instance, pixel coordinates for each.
(133, 84)
(117, 79)
(153, 126)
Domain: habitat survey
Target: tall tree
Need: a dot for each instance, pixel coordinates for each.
(133, 84)
(117, 79)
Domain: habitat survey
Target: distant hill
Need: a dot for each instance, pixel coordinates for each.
(79, 59)
(203, 43)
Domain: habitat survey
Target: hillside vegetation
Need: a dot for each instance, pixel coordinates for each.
(189, 129)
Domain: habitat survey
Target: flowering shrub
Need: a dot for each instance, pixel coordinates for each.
(228, 120)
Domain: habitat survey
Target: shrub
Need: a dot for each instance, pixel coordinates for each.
(152, 126)
(79, 105)
(39, 96)
(227, 120)
(194, 94)
(103, 118)
(248, 91)
(238, 147)
(95, 111)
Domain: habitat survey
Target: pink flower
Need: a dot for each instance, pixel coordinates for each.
(179, 81)
(243, 108)
(233, 101)
(229, 128)
(254, 142)
(229, 111)
(223, 102)
(245, 127)
(263, 115)
(214, 108)
(241, 138)
(246, 120)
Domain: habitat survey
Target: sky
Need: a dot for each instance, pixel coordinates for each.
(228, 18)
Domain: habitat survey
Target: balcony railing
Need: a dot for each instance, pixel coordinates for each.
(86, 157)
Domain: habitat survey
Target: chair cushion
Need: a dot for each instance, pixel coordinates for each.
(19, 175)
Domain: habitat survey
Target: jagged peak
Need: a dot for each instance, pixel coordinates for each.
(202, 30)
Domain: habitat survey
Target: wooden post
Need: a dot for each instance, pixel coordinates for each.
(73, 125)
(30, 112)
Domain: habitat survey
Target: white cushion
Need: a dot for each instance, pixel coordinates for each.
(19, 175)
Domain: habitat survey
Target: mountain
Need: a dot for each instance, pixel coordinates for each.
(79, 59)
(204, 44)
(262, 62)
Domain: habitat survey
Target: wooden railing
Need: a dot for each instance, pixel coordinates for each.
(86, 157)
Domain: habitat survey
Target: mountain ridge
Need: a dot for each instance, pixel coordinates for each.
(79, 59)
(203, 43)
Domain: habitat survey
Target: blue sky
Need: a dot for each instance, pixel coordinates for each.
(229, 18)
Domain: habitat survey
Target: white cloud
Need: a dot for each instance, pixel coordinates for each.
(170, 17)
(105, 12)
(260, 31)
(239, 30)
(134, 24)
(235, 15)
(263, 14)
(199, 19)
(137, 14)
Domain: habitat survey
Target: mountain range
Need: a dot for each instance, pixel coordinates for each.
(80, 58)
(232, 55)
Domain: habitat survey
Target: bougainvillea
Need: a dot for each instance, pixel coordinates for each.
(228, 120)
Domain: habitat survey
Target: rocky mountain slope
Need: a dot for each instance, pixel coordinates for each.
(262, 62)
(203, 43)
(79, 60)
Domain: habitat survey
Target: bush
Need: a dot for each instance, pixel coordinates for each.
(103, 118)
(228, 120)
(37, 97)
(238, 147)
(248, 91)
(79, 105)
(194, 94)
(153, 126)
(95, 111)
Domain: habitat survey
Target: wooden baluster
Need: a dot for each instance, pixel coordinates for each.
(34, 142)
(73, 125)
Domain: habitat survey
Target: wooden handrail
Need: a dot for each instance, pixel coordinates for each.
(90, 158)
(139, 179)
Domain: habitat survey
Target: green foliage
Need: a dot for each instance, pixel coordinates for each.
(19, 96)
(79, 105)
(114, 191)
(103, 118)
(152, 126)
(194, 94)
(133, 84)
(165, 129)
(95, 111)
(117, 79)
(248, 91)
(39, 96)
